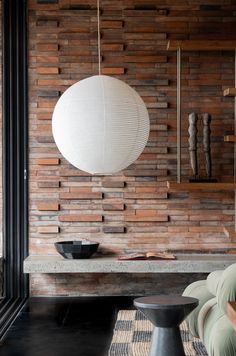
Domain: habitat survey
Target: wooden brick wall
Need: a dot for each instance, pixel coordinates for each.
(132, 210)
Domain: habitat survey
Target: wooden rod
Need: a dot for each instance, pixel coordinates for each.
(178, 115)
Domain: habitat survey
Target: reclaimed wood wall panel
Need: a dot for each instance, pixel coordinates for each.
(131, 210)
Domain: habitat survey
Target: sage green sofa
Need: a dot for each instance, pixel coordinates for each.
(214, 320)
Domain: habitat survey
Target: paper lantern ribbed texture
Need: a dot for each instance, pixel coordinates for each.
(100, 125)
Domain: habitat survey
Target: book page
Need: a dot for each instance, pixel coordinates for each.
(160, 255)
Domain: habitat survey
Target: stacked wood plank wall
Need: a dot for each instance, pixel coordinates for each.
(132, 210)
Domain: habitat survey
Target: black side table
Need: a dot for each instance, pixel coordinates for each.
(166, 313)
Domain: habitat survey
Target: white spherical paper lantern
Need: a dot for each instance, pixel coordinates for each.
(100, 125)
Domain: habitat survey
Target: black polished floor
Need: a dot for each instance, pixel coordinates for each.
(64, 327)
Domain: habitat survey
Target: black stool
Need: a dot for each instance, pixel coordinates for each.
(166, 313)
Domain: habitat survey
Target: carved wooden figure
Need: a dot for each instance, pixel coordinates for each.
(206, 118)
(192, 118)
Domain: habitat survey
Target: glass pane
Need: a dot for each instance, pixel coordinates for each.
(1, 191)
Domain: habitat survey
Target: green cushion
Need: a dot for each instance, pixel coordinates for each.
(222, 339)
(216, 331)
(226, 290)
(213, 280)
(209, 320)
(196, 290)
(207, 316)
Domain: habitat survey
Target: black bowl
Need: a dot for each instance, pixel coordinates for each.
(76, 249)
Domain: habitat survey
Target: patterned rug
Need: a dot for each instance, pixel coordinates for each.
(132, 336)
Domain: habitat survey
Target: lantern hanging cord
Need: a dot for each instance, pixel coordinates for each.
(99, 38)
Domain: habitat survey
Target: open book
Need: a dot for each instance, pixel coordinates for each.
(147, 256)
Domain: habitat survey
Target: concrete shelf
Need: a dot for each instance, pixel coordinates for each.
(185, 263)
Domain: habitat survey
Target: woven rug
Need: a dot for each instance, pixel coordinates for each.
(132, 336)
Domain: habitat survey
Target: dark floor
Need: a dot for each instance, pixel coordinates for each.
(64, 327)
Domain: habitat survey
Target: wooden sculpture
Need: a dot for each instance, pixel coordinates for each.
(193, 142)
(207, 142)
(193, 146)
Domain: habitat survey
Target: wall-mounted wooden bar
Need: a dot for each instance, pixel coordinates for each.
(195, 45)
(47, 23)
(113, 229)
(48, 206)
(48, 229)
(112, 24)
(49, 184)
(157, 218)
(48, 161)
(145, 59)
(185, 186)
(113, 184)
(230, 233)
(145, 172)
(229, 92)
(81, 217)
(81, 196)
(144, 11)
(113, 206)
(230, 138)
(110, 47)
(83, 9)
(113, 70)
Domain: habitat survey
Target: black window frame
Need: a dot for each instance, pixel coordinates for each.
(14, 160)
